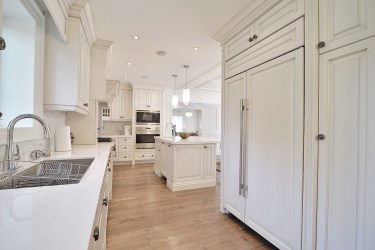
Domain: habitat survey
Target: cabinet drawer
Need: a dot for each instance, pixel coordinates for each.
(283, 41)
(141, 156)
(124, 157)
(124, 139)
(124, 147)
(280, 13)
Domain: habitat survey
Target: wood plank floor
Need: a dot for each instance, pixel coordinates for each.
(145, 214)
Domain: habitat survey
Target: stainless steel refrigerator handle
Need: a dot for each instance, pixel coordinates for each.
(244, 135)
(241, 143)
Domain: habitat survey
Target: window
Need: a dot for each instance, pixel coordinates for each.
(178, 121)
(21, 65)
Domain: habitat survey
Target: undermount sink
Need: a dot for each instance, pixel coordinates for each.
(46, 173)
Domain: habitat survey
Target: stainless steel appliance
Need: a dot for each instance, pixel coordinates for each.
(147, 117)
(145, 136)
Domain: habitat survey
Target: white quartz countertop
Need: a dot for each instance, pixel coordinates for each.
(54, 217)
(190, 140)
(116, 136)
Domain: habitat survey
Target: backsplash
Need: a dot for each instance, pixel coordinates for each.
(53, 120)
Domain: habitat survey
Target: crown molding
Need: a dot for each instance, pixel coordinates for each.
(243, 19)
(82, 9)
(102, 44)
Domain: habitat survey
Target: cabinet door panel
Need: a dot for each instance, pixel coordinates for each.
(346, 198)
(154, 99)
(234, 91)
(345, 21)
(239, 43)
(279, 16)
(209, 163)
(188, 163)
(275, 150)
(141, 99)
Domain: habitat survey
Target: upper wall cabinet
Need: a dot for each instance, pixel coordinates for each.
(67, 68)
(283, 13)
(148, 99)
(345, 22)
(122, 105)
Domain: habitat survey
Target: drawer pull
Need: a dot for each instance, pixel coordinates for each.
(105, 201)
(255, 37)
(251, 39)
(96, 233)
(321, 45)
(109, 169)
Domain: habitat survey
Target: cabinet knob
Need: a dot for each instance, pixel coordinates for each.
(86, 104)
(105, 201)
(251, 39)
(121, 117)
(255, 37)
(2, 43)
(109, 169)
(321, 45)
(321, 137)
(96, 233)
(205, 146)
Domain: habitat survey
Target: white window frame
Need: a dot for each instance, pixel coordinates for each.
(34, 132)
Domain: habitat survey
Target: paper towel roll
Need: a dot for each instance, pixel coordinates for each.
(62, 139)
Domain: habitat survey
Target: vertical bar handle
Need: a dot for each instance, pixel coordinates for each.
(241, 143)
(244, 138)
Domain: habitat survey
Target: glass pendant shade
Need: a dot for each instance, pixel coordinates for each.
(175, 101)
(186, 96)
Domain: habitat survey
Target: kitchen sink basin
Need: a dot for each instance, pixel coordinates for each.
(46, 173)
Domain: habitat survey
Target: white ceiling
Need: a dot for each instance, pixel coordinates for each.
(175, 26)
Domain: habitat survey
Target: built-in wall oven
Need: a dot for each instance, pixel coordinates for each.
(145, 136)
(147, 117)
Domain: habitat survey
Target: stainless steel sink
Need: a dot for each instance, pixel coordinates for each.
(46, 173)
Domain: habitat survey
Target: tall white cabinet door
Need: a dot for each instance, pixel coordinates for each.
(346, 190)
(235, 90)
(275, 149)
(342, 22)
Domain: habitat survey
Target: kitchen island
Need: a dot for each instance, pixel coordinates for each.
(186, 163)
(63, 216)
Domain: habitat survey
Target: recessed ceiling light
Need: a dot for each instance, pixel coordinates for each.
(195, 48)
(161, 53)
(125, 78)
(135, 37)
(129, 63)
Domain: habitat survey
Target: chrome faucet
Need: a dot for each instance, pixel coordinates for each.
(174, 132)
(9, 156)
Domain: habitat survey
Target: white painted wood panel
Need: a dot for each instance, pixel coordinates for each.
(209, 161)
(239, 43)
(155, 99)
(188, 163)
(283, 41)
(278, 17)
(275, 150)
(234, 91)
(141, 97)
(345, 21)
(346, 198)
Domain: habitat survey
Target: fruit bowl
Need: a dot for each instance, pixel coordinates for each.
(184, 135)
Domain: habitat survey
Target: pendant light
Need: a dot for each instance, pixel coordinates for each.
(186, 91)
(174, 96)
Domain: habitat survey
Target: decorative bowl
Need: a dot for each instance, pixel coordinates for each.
(184, 135)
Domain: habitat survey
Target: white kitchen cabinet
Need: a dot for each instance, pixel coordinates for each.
(274, 150)
(234, 95)
(148, 99)
(165, 159)
(345, 22)
(67, 68)
(145, 154)
(346, 198)
(115, 152)
(99, 229)
(279, 43)
(283, 13)
(122, 105)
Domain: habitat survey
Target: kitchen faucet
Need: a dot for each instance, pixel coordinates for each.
(9, 154)
(174, 132)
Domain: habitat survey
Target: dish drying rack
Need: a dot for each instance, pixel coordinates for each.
(41, 174)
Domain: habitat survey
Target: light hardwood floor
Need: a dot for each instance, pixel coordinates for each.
(145, 214)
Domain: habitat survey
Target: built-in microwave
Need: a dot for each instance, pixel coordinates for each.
(147, 117)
